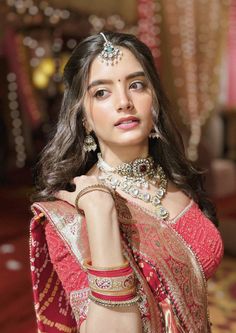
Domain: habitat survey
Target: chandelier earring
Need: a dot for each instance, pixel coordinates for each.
(89, 143)
(154, 134)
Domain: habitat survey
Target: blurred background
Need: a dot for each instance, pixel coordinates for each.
(194, 46)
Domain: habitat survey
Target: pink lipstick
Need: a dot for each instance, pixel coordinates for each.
(127, 122)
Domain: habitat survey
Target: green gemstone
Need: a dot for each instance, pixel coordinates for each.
(109, 49)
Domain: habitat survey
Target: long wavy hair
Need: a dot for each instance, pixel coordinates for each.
(63, 158)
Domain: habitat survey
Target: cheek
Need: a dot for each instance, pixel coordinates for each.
(100, 115)
(147, 113)
(144, 105)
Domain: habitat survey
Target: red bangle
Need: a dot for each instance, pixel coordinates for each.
(114, 298)
(113, 273)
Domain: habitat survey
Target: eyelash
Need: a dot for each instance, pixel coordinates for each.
(143, 86)
(97, 92)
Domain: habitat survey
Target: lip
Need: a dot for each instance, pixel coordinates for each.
(125, 119)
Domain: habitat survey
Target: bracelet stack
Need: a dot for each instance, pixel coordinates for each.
(112, 286)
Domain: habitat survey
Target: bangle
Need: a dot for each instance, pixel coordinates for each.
(91, 188)
(113, 303)
(111, 286)
(121, 282)
(87, 264)
(113, 298)
(131, 291)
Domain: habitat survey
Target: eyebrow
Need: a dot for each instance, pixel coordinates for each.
(101, 81)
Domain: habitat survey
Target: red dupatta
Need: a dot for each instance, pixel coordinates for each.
(52, 308)
(185, 310)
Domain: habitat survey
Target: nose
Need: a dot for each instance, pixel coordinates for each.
(124, 101)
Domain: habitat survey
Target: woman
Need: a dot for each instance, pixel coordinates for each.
(123, 238)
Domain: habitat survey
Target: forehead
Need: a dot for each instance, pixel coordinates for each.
(128, 64)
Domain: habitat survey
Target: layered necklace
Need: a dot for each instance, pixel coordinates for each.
(135, 178)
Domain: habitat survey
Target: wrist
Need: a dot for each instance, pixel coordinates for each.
(98, 193)
(101, 210)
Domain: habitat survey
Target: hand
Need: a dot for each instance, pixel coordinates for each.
(90, 200)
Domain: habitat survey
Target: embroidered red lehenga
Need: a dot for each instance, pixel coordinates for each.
(172, 261)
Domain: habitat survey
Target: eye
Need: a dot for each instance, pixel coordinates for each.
(101, 93)
(137, 85)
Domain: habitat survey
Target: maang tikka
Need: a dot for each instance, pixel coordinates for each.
(110, 54)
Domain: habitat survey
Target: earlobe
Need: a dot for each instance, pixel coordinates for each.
(86, 126)
(84, 122)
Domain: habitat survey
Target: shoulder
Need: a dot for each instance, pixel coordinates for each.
(60, 222)
(53, 209)
(59, 214)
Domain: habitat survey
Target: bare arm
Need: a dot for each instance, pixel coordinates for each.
(106, 250)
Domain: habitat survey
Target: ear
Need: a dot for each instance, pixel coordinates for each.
(86, 125)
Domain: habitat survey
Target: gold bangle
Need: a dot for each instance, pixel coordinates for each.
(112, 304)
(118, 283)
(87, 265)
(91, 188)
(114, 293)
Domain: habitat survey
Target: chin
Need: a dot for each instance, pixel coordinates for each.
(127, 139)
(133, 141)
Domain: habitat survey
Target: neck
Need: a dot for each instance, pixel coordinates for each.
(121, 155)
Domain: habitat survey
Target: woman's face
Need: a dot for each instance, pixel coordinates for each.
(118, 103)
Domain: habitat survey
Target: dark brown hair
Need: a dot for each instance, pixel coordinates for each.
(63, 158)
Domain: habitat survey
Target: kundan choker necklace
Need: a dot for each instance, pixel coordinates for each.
(136, 177)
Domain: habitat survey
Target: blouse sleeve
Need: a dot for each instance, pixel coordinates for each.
(73, 278)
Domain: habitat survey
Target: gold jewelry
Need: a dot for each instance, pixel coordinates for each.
(87, 265)
(141, 167)
(112, 304)
(89, 143)
(112, 287)
(114, 292)
(108, 283)
(135, 180)
(91, 188)
(110, 54)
